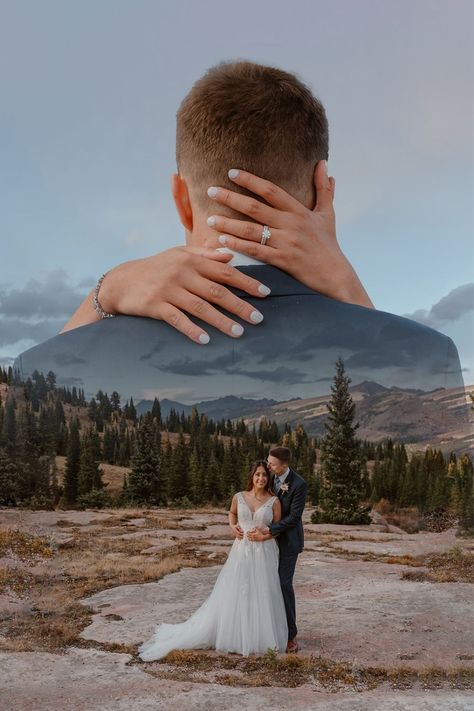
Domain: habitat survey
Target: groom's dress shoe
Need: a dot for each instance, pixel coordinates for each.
(292, 646)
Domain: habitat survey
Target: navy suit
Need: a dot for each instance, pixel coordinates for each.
(290, 538)
(291, 354)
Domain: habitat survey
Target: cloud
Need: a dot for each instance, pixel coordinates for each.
(38, 310)
(14, 330)
(78, 382)
(451, 307)
(68, 359)
(6, 361)
(51, 297)
(282, 374)
(188, 366)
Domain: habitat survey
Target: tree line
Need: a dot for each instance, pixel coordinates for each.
(194, 460)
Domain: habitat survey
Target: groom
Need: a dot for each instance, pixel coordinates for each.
(291, 490)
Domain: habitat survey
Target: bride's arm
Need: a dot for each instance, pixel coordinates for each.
(233, 521)
(168, 284)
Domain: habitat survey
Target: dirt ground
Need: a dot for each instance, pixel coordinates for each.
(385, 617)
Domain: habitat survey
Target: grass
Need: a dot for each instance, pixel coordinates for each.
(291, 671)
(90, 563)
(451, 566)
(24, 546)
(101, 558)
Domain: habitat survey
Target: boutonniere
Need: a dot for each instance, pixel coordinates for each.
(284, 488)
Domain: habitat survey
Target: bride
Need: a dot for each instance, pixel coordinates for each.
(245, 612)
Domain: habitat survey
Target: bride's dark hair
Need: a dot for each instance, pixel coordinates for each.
(253, 469)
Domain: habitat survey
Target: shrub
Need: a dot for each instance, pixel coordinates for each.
(94, 499)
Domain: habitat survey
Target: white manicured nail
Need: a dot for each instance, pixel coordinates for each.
(233, 173)
(222, 239)
(264, 290)
(237, 329)
(204, 338)
(211, 221)
(212, 192)
(256, 317)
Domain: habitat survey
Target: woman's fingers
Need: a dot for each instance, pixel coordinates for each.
(271, 193)
(258, 211)
(211, 254)
(246, 230)
(178, 320)
(324, 190)
(264, 253)
(197, 306)
(225, 274)
(218, 294)
(198, 296)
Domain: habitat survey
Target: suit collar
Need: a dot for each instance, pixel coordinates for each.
(281, 283)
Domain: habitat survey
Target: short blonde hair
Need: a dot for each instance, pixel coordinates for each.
(253, 117)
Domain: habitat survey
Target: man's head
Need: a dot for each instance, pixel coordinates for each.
(248, 116)
(278, 460)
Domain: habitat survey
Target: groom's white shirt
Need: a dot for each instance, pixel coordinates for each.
(239, 260)
(282, 477)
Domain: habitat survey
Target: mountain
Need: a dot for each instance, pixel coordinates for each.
(439, 418)
(229, 407)
(414, 417)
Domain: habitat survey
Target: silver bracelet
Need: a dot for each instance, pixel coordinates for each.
(96, 302)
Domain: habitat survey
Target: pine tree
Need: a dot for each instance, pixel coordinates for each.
(179, 485)
(213, 482)
(156, 412)
(463, 493)
(90, 475)
(8, 480)
(115, 401)
(9, 426)
(27, 453)
(196, 476)
(341, 464)
(132, 413)
(409, 484)
(72, 464)
(144, 481)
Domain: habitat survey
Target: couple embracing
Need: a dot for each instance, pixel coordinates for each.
(252, 606)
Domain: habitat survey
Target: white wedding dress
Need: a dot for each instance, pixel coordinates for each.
(245, 612)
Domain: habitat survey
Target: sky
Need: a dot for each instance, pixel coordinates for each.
(89, 92)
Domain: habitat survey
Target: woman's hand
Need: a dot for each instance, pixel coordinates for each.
(259, 533)
(180, 279)
(238, 532)
(303, 242)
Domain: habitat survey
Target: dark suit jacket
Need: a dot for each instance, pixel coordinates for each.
(290, 355)
(289, 530)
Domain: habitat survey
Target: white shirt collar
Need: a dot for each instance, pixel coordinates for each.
(283, 476)
(239, 260)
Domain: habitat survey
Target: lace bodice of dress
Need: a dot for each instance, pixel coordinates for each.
(263, 516)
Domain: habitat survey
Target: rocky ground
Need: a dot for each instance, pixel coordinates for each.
(385, 616)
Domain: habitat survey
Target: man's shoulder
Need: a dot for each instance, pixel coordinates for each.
(302, 333)
(297, 479)
(328, 310)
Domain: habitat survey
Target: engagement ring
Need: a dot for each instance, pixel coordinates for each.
(266, 234)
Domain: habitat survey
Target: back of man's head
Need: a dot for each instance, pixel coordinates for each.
(256, 118)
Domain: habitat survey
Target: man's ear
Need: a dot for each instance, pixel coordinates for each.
(181, 200)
